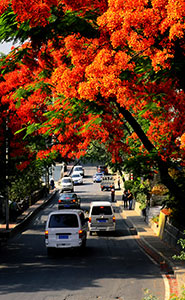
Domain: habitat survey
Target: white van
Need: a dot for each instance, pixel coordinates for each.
(101, 217)
(65, 229)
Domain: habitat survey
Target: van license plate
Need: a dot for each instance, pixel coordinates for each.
(62, 237)
(101, 221)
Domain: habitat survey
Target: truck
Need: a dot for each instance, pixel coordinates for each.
(107, 183)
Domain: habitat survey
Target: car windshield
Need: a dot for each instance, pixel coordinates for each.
(78, 169)
(99, 174)
(76, 175)
(63, 221)
(101, 210)
(66, 180)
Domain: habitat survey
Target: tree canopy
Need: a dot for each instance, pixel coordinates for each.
(108, 71)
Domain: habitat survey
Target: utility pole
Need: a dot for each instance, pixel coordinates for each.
(7, 172)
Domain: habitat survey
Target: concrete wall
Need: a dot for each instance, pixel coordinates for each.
(171, 235)
(164, 229)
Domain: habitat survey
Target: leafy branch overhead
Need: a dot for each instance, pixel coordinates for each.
(97, 72)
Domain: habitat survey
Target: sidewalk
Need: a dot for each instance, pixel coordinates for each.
(155, 247)
(24, 218)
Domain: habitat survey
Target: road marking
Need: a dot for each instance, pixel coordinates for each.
(167, 287)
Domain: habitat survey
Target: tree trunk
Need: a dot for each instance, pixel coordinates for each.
(162, 165)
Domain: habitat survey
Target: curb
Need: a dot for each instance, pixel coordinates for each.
(167, 267)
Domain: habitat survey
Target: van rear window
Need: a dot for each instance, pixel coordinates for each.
(63, 221)
(101, 210)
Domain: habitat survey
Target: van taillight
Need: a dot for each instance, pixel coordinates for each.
(46, 234)
(89, 220)
(114, 219)
(59, 201)
(80, 233)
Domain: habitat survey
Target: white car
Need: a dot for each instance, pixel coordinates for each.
(65, 229)
(67, 184)
(101, 217)
(77, 178)
(79, 169)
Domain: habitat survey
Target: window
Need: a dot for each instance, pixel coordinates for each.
(101, 210)
(67, 196)
(63, 221)
(82, 219)
(66, 180)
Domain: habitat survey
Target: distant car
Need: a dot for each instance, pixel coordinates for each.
(68, 200)
(101, 217)
(77, 178)
(102, 169)
(79, 169)
(65, 229)
(97, 177)
(107, 183)
(67, 184)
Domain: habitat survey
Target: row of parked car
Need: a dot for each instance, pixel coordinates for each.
(68, 226)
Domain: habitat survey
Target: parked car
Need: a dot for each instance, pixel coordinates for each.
(97, 177)
(67, 184)
(101, 217)
(102, 169)
(79, 169)
(77, 178)
(65, 229)
(68, 200)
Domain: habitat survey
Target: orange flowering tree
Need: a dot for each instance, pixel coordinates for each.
(111, 71)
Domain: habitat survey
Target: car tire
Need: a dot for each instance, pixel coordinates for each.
(83, 244)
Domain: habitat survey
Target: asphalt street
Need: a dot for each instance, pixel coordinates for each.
(112, 266)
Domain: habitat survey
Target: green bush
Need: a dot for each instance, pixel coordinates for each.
(140, 189)
(142, 199)
(129, 184)
(25, 182)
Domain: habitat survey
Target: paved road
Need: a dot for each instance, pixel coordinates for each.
(112, 267)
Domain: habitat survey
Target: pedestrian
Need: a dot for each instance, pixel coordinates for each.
(125, 200)
(14, 210)
(130, 199)
(52, 184)
(118, 183)
(112, 194)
